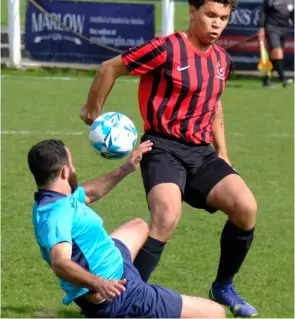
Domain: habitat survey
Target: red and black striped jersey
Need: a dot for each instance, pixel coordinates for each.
(179, 86)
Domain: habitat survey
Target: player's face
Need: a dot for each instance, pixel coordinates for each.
(72, 176)
(209, 21)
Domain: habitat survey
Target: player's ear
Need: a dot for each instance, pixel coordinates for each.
(65, 172)
(192, 11)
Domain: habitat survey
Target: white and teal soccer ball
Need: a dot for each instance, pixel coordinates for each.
(113, 135)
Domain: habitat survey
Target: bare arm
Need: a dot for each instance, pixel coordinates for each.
(65, 268)
(219, 134)
(101, 87)
(154, 53)
(99, 187)
(68, 270)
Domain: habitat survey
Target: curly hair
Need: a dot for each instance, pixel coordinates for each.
(198, 3)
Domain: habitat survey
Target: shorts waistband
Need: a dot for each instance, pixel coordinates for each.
(173, 138)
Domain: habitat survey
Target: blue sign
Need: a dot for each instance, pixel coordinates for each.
(244, 24)
(106, 28)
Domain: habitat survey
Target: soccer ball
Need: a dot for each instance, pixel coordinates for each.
(113, 135)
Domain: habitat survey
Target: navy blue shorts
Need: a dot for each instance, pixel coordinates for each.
(140, 300)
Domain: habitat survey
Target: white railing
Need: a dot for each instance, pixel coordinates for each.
(14, 33)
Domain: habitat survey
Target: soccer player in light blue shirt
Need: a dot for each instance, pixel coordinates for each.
(95, 269)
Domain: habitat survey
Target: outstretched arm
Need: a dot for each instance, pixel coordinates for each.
(99, 187)
(140, 60)
(101, 87)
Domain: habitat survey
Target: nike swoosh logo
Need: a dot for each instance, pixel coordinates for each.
(183, 68)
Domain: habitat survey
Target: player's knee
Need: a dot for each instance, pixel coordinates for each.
(164, 223)
(249, 209)
(141, 224)
(139, 221)
(164, 228)
(245, 211)
(277, 53)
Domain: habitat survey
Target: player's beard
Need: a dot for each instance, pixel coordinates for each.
(73, 181)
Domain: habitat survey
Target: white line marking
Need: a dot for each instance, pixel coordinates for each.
(63, 78)
(281, 135)
(236, 134)
(23, 132)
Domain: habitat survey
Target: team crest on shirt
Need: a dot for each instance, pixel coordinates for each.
(220, 71)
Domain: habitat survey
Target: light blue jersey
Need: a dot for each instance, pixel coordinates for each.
(59, 218)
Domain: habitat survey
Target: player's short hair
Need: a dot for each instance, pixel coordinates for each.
(198, 3)
(46, 159)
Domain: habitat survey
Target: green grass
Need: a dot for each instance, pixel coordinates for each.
(181, 16)
(259, 127)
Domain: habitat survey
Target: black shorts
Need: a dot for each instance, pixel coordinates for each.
(196, 169)
(275, 36)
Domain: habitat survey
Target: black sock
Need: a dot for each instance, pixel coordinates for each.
(266, 80)
(279, 67)
(148, 257)
(235, 244)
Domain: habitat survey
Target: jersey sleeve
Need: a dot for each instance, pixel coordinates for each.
(80, 194)
(148, 57)
(58, 227)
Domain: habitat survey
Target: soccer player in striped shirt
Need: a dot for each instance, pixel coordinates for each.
(182, 78)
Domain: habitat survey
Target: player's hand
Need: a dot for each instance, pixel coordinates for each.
(136, 156)
(225, 158)
(85, 116)
(110, 289)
